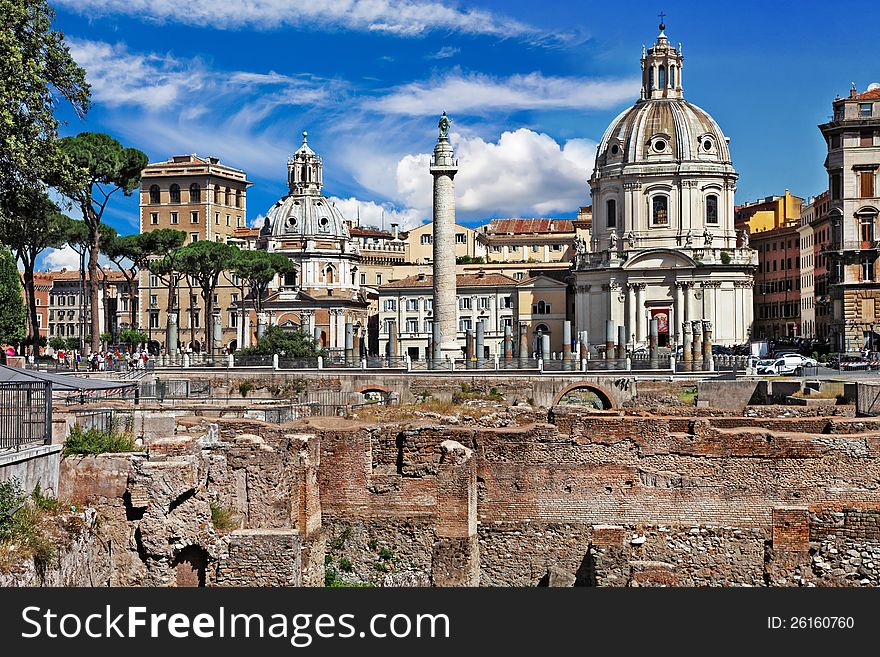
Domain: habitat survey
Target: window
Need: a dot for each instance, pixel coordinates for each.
(412, 305)
(427, 239)
(835, 141)
(541, 308)
(412, 325)
(324, 225)
(611, 213)
(390, 305)
(154, 280)
(233, 320)
(195, 193)
(429, 305)
(174, 191)
(866, 227)
(238, 198)
(866, 138)
(461, 238)
(227, 219)
(429, 326)
(836, 185)
(464, 303)
(226, 196)
(238, 221)
(507, 302)
(216, 218)
(154, 194)
(174, 218)
(194, 318)
(388, 326)
(866, 179)
(496, 249)
(711, 209)
(71, 300)
(865, 109)
(536, 248)
(193, 238)
(154, 320)
(506, 322)
(378, 279)
(866, 269)
(518, 276)
(363, 279)
(193, 217)
(484, 303)
(154, 299)
(662, 77)
(660, 210)
(465, 324)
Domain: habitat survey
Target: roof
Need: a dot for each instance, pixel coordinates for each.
(871, 94)
(60, 381)
(246, 232)
(461, 280)
(73, 275)
(371, 232)
(527, 226)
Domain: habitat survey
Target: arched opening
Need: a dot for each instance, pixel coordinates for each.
(611, 213)
(232, 347)
(661, 72)
(238, 198)
(154, 194)
(324, 339)
(660, 210)
(585, 394)
(174, 191)
(867, 219)
(154, 347)
(672, 76)
(195, 193)
(226, 196)
(195, 347)
(190, 565)
(374, 394)
(711, 209)
(329, 275)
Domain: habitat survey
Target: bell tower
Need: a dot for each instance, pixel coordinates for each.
(305, 170)
(661, 69)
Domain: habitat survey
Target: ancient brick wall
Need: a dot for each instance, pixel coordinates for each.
(261, 557)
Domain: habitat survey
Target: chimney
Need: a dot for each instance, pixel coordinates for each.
(421, 276)
(394, 231)
(481, 273)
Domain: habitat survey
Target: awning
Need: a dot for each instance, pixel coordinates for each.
(61, 381)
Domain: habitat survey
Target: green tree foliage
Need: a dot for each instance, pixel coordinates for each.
(166, 243)
(107, 167)
(132, 254)
(132, 337)
(289, 344)
(36, 72)
(30, 224)
(258, 269)
(13, 316)
(203, 262)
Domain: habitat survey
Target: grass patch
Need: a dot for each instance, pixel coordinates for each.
(688, 396)
(338, 542)
(345, 565)
(222, 517)
(468, 392)
(334, 581)
(22, 527)
(95, 441)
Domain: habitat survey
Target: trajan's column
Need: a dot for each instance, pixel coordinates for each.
(444, 168)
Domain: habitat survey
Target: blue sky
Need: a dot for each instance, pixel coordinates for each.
(530, 88)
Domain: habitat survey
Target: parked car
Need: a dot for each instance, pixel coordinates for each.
(789, 364)
(854, 363)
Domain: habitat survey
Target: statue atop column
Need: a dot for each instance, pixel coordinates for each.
(444, 125)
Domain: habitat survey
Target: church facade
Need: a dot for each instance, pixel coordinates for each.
(663, 244)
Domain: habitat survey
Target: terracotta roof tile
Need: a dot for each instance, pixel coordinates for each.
(461, 280)
(873, 94)
(528, 226)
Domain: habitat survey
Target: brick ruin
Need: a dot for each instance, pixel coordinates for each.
(615, 498)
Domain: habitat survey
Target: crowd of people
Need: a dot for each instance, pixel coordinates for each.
(99, 361)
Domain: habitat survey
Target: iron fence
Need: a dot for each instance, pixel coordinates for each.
(297, 363)
(25, 414)
(108, 420)
(253, 360)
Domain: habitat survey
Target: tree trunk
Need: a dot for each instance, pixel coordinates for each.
(208, 295)
(31, 294)
(95, 293)
(132, 311)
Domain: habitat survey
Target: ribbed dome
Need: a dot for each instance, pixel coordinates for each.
(662, 129)
(306, 215)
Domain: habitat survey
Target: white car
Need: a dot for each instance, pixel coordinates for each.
(788, 364)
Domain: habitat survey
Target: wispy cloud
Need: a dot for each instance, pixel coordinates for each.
(155, 81)
(477, 93)
(405, 18)
(444, 53)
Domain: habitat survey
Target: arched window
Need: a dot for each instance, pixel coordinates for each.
(304, 176)
(611, 213)
(328, 276)
(867, 220)
(542, 329)
(712, 209)
(662, 74)
(226, 197)
(195, 193)
(660, 210)
(174, 190)
(672, 75)
(154, 193)
(238, 198)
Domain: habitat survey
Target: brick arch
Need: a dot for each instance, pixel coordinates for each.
(606, 397)
(374, 388)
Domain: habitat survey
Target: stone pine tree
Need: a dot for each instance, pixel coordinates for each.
(13, 316)
(256, 270)
(30, 224)
(36, 73)
(203, 262)
(107, 168)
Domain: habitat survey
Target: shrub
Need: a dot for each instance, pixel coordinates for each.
(245, 387)
(221, 517)
(372, 544)
(338, 542)
(20, 517)
(95, 441)
(380, 566)
(725, 258)
(386, 554)
(345, 565)
(11, 496)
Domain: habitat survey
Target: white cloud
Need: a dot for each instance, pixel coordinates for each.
(379, 214)
(405, 18)
(523, 173)
(65, 258)
(477, 93)
(444, 53)
(156, 81)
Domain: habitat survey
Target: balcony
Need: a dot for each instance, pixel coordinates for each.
(839, 246)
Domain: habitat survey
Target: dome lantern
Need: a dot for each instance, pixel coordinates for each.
(304, 170)
(661, 69)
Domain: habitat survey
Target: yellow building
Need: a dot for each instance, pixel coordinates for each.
(420, 244)
(528, 240)
(772, 212)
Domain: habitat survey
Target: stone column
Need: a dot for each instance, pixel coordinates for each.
(523, 343)
(566, 341)
(707, 345)
(686, 287)
(545, 347)
(331, 332)
(585, 344)
(217, 334)
(436, 353)
(480, 347)
(246, 332)
(508, 343)
(443, 169)
(262, 321)
(621, 341)
(640, 312)
(340, 329)
(469, 348)
(687, 345)
(679, 309)
(312, 326)
(171, 335)
(392, 339)
(609, 338)
(698, 344)
(631, 308)
(652, 343)
(349, 343)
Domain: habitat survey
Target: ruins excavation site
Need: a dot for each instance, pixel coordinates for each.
(483, 490)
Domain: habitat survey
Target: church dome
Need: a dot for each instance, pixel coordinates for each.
(305, 212)
(662, 126)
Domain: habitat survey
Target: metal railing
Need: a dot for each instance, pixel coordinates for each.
(25, 414)
(108, 420)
